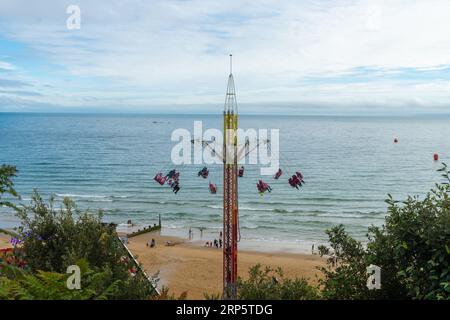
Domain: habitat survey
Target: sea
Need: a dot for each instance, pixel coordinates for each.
(107, 162)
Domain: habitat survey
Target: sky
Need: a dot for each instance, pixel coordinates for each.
(289, 57)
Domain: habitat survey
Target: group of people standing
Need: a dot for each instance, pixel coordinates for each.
(214, 244)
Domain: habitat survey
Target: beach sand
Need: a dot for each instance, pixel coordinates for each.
(190, 267)
(4, 241)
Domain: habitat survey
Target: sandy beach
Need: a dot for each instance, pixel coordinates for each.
(4, 241)
(190, 267)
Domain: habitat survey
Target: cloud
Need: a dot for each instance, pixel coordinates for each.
(20, 93)
(7, 83)
(151, 53)
(5, 66)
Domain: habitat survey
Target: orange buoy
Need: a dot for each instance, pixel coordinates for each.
(436, 157)
(395, 140)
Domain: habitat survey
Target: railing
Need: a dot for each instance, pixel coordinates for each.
(152, 282)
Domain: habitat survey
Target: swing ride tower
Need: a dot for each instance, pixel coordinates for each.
(230, 190)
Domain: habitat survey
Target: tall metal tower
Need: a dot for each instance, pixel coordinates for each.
(230, 190)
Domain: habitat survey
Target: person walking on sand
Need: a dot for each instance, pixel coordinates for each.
(312, 249)
(190, 234)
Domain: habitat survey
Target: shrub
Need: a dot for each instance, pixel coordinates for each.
(15, 284)
(412, 249)
(53, 239)
(270, 284)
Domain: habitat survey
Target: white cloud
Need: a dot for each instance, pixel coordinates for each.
(5, 66)
(156, 52)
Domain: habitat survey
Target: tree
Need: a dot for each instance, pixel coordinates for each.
(412, 249)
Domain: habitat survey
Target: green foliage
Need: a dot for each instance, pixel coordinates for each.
(53, 239)
(56, 238)
(15, 284)
(270, 284)
(345, 274)
(7, 173)
(166, 295)
(213, 296)
(412, 249)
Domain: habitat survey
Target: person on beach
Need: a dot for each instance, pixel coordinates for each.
(312, 249)
(190, 234)
(152, 243)
(220, 242)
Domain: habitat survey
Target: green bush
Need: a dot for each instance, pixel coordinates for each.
(53, 239)
(270, 284)
(412, 249)
(15, 284)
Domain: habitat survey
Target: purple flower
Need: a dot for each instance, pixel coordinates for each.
(15, 241)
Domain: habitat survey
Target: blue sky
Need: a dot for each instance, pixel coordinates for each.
(305, 57)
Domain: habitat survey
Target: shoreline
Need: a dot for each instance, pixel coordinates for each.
(246, 244)
(189, 266)
(262, 245)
